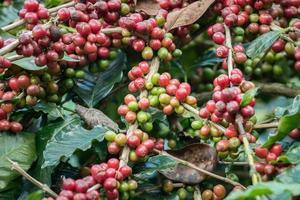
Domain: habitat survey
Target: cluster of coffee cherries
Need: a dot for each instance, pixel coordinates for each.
(267, 157)
(226, 99)
(218, 192)
(136, 75)
(139, 142)
(249, 19)
(169, 94)
(110, 175)
(33, 12)
(182, 192)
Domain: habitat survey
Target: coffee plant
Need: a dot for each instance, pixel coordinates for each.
(143, 99)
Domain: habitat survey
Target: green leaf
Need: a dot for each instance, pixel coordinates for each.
(262, 43)
(209, 58)
(28, 64)
(248, 96)
(19, 148)
(9, 14)
(68, 58)
(288, 122)
(35, 195)
(93, 88)
(268, 188)
(292, 155)
(52, 110)
(69, 137)
(155, 164)
(291, 175)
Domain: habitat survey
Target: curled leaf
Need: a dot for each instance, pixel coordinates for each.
(150, 7)
(187, 15)
(201, 155)
(94, 117)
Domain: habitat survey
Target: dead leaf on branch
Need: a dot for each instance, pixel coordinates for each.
(94, 117)
(187, 15)
(150, 7)
(202, 155)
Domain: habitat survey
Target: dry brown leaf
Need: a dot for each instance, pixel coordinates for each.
(94, 117)
(202, 155)
(187, 15)
(150, 7)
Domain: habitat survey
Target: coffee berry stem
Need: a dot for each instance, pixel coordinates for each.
(229, 45)
(44, 187)
(196, 113)
(191, 165)
(255, 176)
(51, 11)
(15, 57)
(267, 125)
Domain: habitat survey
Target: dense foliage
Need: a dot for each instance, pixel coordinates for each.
(143, 99)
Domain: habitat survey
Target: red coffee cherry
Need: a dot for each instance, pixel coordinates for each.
(261, 152)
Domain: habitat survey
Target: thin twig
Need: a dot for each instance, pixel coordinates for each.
(44, 187)
(229, 45)
(94, 187)
(196, 113)
(191, 165)
(233, 163)
(248, 150)
(264, 126)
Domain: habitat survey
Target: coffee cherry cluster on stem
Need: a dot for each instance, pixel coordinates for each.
(110, 175)
(217, 192)
(226, 102)
(33, 12)
(267, 157)
(248, 20)
(139, 143)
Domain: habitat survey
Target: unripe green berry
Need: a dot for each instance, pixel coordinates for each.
(197, 124)
(133, 106)
(110, 136)
(163, 53)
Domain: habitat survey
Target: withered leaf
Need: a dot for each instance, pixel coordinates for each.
(201, 155)
(187, 15)
(150, 7)
(94, 117)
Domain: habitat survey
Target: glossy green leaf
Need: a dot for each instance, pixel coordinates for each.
(9, 14)
(209, 58)
(67, 138)
(262, 43)
(248, 96)
(28, 64)
(268, 188)
(52, 110)
(288, 122)
(292, 155)
(291, 175)
(19, 148)
(93, 88)
(35, 195)
(155, 164)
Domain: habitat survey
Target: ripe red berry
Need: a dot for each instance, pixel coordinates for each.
(81, 186)
(265, 18)
(133, 141)
(126, 171)
(113, 163)
(141, 151)
(110, 183)
(222, 146)
(138, 45)
(31, 5)
(269, 169)
(164, 79)
(260, 167)
(295, 133)
(181, 94)
(222, 52)
(16, 127)
(261, 152)
(218, 38)
(69, 184)
(271, 157)
(63, 14)
(276, 149)
(113, 148)
(149, 144)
